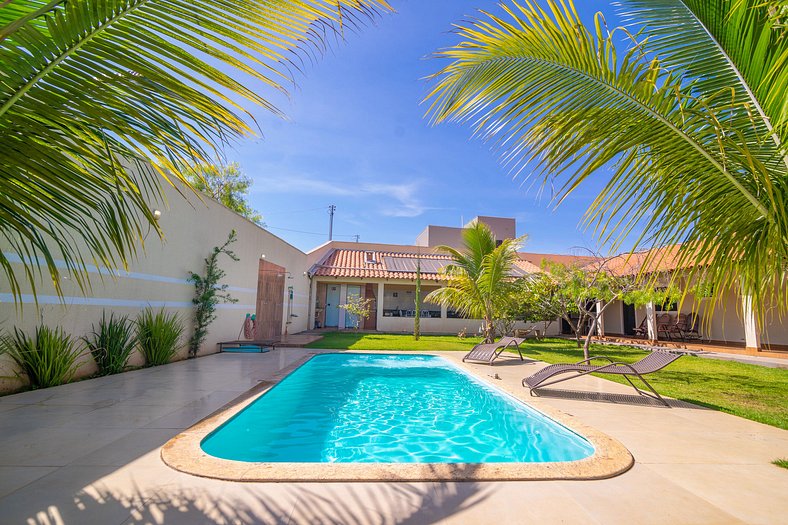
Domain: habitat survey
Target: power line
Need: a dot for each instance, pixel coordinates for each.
(287, 212)
(301, 231)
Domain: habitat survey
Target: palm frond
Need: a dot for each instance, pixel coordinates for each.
(721, 45)
(563, 101)
(91, 88)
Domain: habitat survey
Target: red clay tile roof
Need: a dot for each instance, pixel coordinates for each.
(567, 260)
(352, 263)
(657, 260)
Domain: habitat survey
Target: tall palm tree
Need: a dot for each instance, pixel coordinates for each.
(688, 105)
(479, 284)
(99, 99)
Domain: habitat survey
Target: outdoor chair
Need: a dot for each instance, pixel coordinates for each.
(489, 352)
(649, 364)
(690, 331)
(642, 330)
(665, 325)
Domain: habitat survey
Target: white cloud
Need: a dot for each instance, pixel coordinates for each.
(408, 203)
(299, 184)
(391, 200)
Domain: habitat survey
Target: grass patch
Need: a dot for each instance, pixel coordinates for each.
(749, 391)
(363, 341)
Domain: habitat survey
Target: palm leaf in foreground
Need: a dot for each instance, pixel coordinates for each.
(547, 91)
(90, 88)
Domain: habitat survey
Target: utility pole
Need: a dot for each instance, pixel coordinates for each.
(331, 210)
(357, 237)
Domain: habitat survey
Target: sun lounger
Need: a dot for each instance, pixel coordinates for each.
(649, 364)
(489, 352)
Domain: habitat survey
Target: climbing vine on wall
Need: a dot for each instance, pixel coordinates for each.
(208, 293)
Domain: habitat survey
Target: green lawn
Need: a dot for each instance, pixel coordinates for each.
(749, 391)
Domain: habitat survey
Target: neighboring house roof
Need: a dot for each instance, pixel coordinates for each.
(657, 260)
(391, 265)
(537, 259)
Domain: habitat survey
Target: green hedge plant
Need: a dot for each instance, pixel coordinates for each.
(111, 343)
(49, 358)
(158, 335)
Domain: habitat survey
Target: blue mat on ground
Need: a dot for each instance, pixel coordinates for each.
(247, 349)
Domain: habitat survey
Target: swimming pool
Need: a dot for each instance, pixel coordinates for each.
(390, 408)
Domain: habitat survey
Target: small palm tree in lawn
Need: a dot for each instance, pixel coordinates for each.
(101, 99)
(686, 108)
(479, 281)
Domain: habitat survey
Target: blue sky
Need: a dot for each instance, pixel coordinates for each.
(356, 137)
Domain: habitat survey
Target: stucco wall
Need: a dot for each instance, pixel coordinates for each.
(158, 278)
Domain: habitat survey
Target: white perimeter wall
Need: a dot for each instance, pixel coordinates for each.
(158, 278)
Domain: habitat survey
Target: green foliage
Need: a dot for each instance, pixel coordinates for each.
(208, 293)
(691, 118)
(534, 300)
(358, 307)
(112, 343)
(91, 91)
(48, 358)
(159, 336)
(782, 463)
(226, 184)
(480, 283)
(649, 294)
(750, 391)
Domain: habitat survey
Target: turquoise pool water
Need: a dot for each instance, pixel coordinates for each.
(385, 408)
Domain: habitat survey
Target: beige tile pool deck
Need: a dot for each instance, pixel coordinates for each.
(89, 452)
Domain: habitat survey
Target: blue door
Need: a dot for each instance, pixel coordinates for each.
(332, 306)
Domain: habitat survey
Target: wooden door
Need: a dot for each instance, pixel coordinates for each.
(371, 322)
(270, 301)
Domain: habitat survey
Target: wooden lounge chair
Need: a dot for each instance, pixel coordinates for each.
(651, 363)
(489, 352)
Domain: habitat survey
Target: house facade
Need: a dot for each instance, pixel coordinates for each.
(386, 275)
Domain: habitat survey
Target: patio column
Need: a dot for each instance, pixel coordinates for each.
(651, 321)
(311, 313)
(444, 311)
(342, 300)
(379, 312)
(752, 336)
(600, 325)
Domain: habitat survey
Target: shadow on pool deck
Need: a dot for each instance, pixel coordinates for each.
(401, 504)
(620, 399)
